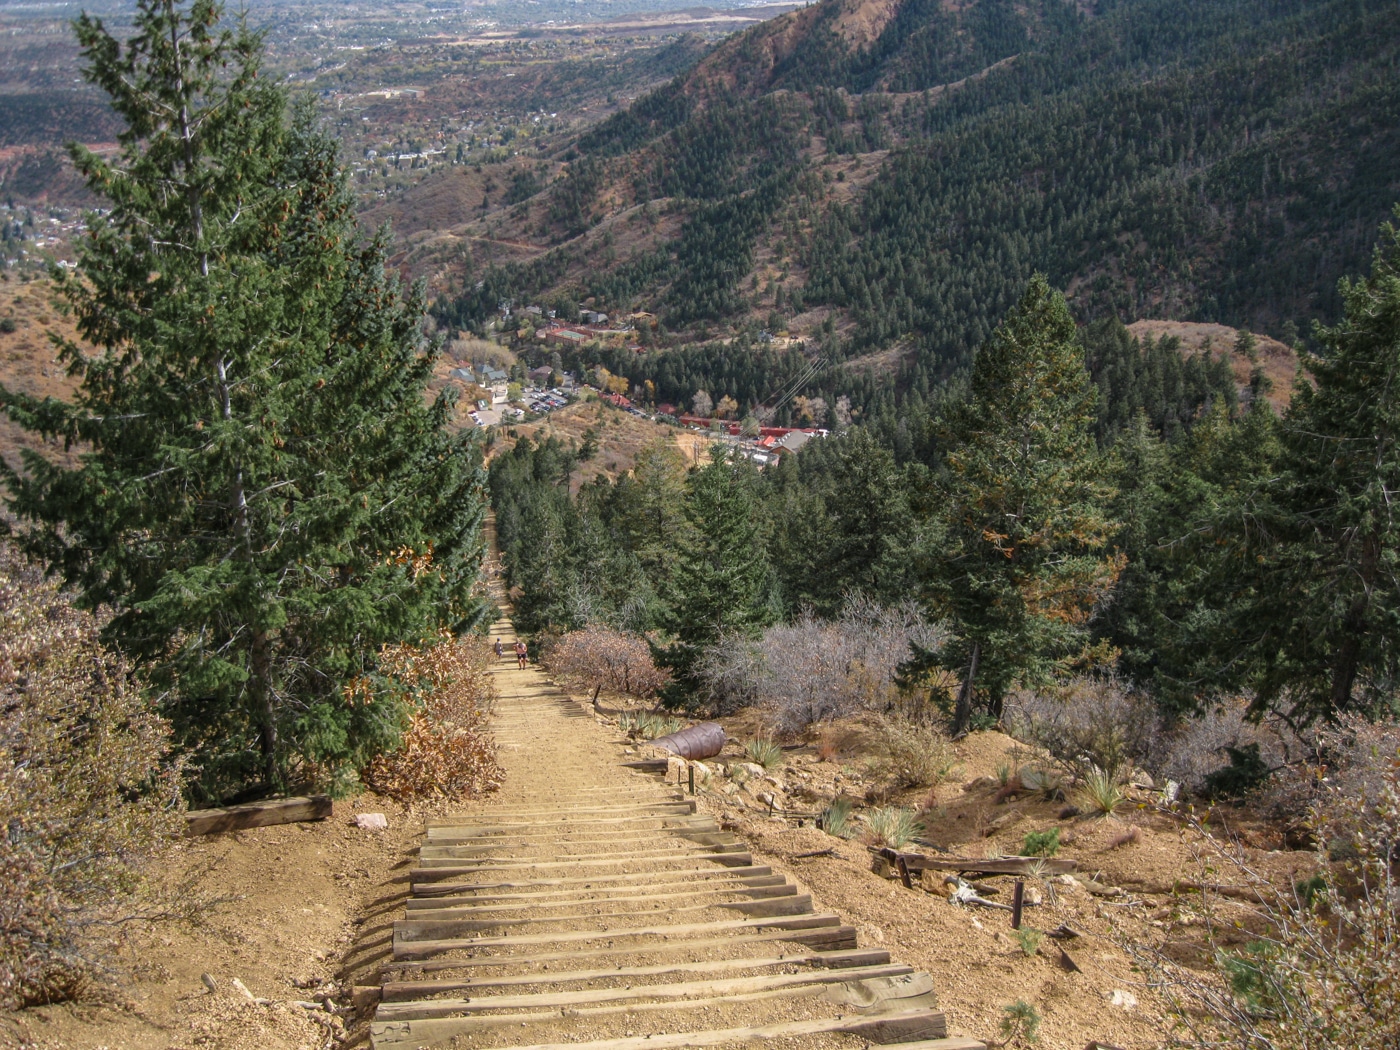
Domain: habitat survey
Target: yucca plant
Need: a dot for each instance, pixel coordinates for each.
(893, 826)
(836, 818)
(763, 751)
(1102, 793)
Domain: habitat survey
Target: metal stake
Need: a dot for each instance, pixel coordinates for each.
(1018, 898)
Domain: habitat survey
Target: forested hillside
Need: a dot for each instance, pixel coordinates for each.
(885, 174)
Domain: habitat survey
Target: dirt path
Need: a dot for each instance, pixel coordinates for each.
(588, 903)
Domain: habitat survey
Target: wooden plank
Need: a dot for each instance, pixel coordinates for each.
(823, 940)
(983, 865)
(833, 936)
(480, 904)
(447, 929)
(682, 814)
(458, 918)
(758, 882)
(702, 838)
(403, 991)
(430, 857)
(733, 986)
(258, 814)
(656, 864)
(899, 1028)
(487, 817)
(432, 887)
(649, 765)
(451, 926)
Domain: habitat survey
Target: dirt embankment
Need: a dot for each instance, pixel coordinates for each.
(287, 911)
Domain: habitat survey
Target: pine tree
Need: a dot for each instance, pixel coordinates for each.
(1328, 548)
(1027, 537)
(722, 584)
(263, 496)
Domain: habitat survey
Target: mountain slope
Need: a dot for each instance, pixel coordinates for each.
(887, 173)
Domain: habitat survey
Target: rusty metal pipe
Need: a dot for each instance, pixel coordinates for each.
(697, 741)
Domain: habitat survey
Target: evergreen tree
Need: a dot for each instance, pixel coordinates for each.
(263, 496)
(722, 578)
(1027, 536)
(1328, 618)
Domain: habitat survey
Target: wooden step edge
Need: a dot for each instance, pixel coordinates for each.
(815, 942)
(434, 887)
(400, 990)
(905, 1027)
(430, 927)
(831, 935)
(721, 885)
(436, 874)
(679, 850)
(777, 888)
(421, 1009)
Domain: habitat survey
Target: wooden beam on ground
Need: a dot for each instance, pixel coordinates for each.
(825, 937)
(412, 1011)
(429, 887)
(404, 991)
(825, 940)
(982, 865)
(258, 814)
(903, 1027)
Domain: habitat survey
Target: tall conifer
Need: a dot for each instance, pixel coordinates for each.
(264, 496)
(1026, 557)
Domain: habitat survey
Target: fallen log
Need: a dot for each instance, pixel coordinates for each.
(983, 866)
(257, 814)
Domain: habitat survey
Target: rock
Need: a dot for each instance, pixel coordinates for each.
(371, 821)
(209, 982)
(730, 788)
(1032, 896)
(1098, 889)
(880, 866)
(1140, 779)
(933, 882)
(1068, 881)
(701, 771)
(1121, 998)
(768, 799)
(1170, 790)
(753, 769)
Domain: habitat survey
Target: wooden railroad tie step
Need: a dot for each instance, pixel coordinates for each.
(497, 950)
(902, 1027)
(439, 922)
(424, 1008)
(431, 885)
(493, 905)
(818, 941)
(404, 990)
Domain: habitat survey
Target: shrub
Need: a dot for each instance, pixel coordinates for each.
(600, 656)
(1202, 746)
(836, 818)
(1020, 1023)
(1027, 939)
(910, 754)
(1101, 793)
(813, 670)
(1090, 723)
(87, 795)
(446, 750)
(1320, 970)
(1041, 843)
(1040, 781)
(893, 826)
(764, 751)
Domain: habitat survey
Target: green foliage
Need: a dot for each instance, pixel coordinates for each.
(764, 751)
(1027, 939)
(1246, 773)
(1020, 1022)
(1023, 506)
(835, 819)
(1102, 793)
(893, 826)
(722, 576)
(263, 495)
(1326, 547)
(1041, 843)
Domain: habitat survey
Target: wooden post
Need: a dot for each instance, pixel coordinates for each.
(904, 874)
(1018, 898)
(692, 778)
